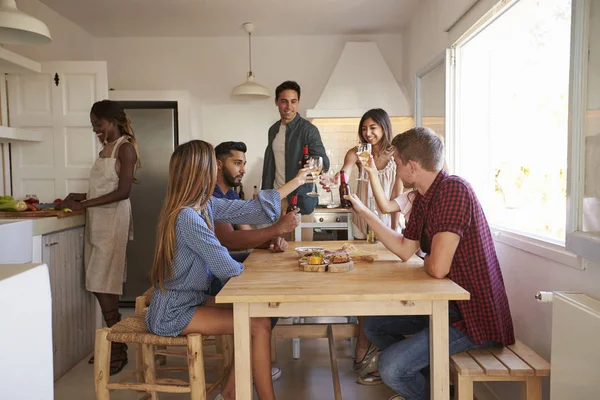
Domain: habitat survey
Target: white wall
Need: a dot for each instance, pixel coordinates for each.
(210, 67)
(524, 273)
(69, 41)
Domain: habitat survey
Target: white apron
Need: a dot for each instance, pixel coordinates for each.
(107, 230)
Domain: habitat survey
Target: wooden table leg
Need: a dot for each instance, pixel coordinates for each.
(242, 353)
(337, 389)
(439, 352)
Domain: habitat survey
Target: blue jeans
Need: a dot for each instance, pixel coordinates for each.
(404, 362)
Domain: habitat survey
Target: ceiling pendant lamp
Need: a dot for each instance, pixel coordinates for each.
(16, 27)
(250, 89)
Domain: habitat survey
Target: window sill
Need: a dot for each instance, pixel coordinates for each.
(541, 248)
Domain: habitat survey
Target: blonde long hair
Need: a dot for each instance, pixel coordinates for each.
(192, 180)
(114, 112)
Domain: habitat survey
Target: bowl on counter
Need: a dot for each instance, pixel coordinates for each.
(303, 251)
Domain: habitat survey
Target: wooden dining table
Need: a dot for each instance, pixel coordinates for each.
(272, 285)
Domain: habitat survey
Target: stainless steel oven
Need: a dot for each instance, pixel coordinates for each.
(330, 224)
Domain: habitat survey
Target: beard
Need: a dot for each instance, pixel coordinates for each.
(230, 179)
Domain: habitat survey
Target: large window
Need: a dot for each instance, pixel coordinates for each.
(510, 133)
(583, 227)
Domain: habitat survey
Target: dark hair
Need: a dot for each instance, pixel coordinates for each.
(287, 85)
(114, 112)
(382, 119)
(224, 150)
(422, 145)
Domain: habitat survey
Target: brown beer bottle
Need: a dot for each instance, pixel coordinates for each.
(305, 155)
(344, 190)
(293, 204)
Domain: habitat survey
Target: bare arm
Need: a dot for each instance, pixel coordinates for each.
(392, 240)
(300, 179)
(350, 160)
(243, 239)
(396, 191)
(127, 158)
(443, 247)
(254, 238)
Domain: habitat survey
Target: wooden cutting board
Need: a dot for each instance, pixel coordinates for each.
(37, 214)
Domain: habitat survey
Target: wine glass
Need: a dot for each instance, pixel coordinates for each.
(316, 163)
(332, 180)
(364, 152)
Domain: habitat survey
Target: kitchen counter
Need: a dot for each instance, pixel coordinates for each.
(10, 270)
(45, 225)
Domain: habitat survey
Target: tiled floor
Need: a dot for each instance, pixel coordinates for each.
(306, 379)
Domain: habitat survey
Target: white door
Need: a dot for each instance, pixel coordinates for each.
(57, 103)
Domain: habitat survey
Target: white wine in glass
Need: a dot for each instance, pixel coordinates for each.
(315, 162)
(364, 152)
(332, 180)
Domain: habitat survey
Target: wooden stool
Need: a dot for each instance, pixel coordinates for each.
(512, 363)
(223, 344)
(133, 330)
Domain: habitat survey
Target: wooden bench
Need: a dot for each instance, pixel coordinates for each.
(512, 363)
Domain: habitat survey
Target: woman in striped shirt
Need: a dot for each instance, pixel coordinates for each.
(189, 257)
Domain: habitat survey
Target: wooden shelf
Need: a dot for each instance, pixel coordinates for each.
(16, 135)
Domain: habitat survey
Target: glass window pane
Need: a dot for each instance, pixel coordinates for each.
(513, 85)
(591, 191)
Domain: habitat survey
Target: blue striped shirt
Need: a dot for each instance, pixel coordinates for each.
(200, 258)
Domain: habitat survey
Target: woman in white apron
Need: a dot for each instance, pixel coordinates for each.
(108, 214)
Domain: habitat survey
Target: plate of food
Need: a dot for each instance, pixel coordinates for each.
(307, 251)
(326, 261)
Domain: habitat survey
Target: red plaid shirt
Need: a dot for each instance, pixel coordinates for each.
(450, 205)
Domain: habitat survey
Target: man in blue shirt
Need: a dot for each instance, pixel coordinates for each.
(231, 164)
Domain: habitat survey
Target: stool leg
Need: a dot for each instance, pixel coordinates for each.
(139, 364)
(463, 387)
(196, 367)
(102, 364)
(532, 388)
(149, 368)
(219, 344)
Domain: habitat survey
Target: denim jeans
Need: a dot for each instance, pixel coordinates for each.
(403, 361)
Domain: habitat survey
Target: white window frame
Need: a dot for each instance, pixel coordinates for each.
(582, 243)
(542, 247)
(443, 58)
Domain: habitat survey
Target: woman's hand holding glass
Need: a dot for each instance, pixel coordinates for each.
(364, 153)
(304, 176)
(368, 166)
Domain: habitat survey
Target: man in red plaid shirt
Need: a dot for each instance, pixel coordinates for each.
(448, 224)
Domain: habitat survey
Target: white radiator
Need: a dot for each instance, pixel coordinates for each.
(575, 353)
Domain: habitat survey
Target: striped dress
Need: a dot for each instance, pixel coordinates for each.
(387, 177)
(200, 259)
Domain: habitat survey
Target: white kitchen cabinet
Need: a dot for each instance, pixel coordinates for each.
(73, 308)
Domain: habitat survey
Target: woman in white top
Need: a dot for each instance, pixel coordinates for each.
(374, 128)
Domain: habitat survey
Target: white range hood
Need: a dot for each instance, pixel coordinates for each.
(361, 80)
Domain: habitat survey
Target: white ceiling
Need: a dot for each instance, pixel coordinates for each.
(189, 18)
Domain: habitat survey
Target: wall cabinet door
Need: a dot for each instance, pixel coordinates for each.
(56, 103)
(73, 308)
